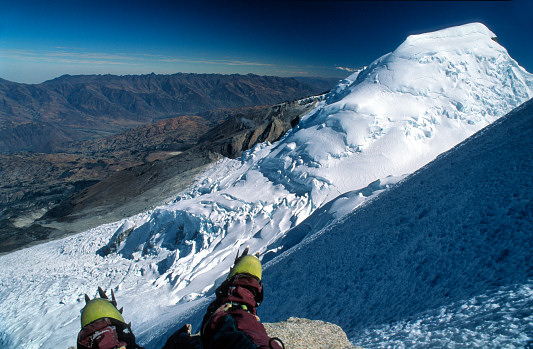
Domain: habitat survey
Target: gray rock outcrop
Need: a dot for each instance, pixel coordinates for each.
(297, 333)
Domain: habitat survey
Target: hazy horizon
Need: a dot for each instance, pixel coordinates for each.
(40, 41)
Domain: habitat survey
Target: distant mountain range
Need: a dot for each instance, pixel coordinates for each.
(46, 116)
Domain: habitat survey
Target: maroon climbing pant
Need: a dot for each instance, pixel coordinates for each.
(231, 320)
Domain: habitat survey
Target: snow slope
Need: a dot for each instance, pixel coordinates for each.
(443, 259)
(377, 125)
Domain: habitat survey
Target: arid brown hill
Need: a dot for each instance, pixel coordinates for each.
(72, 108)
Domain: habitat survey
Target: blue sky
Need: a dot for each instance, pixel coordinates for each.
(40, 40)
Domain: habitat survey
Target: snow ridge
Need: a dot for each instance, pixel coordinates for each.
(388, 120)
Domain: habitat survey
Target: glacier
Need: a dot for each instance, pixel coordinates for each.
(374, 128)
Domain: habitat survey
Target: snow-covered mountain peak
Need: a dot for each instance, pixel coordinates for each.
(460, 36)
(406, 107)
(444, 45)
(454, 72)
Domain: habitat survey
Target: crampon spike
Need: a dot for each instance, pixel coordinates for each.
(113, 299)
(244, 253)
(87, 299)
(102, 293)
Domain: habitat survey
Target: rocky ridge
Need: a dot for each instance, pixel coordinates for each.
(45, 196)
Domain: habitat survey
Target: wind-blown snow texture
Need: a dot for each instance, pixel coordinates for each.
(376, 126)
(443, 258)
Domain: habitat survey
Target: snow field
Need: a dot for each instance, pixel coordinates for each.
(500, 318)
